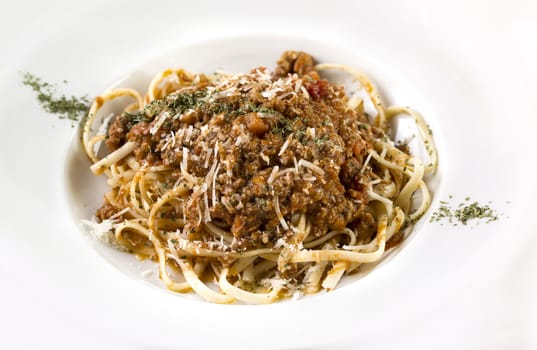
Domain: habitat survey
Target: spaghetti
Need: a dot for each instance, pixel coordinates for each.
(258, 186)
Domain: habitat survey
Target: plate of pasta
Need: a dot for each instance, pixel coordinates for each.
(326, 186)
(280, 181)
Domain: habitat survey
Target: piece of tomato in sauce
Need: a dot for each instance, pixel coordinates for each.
(318, 88)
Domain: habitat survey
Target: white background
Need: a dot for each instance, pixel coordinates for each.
(452, 287)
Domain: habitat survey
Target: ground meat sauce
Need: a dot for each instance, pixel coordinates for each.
(291, 119)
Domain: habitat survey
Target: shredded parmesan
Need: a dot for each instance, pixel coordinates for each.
(285, 171)
(169, 141)
(200, 215)
(311, 166)
(187, 114)
(262, 75)
(101, 231)
(365, 163)
(119, 213)
(298, 85)
(206, 203)
(284, 95)
(204, 130)
(158, 123)
(305, 92)
(273, 174)
(229, 171)
(309, 178)
(285, 144)
(188, 133)
(184, 161)
(280, 243)
(265, 158)
(209, 179)
(296, 165)
(231, 91)
(180, 135)
(216, 150)
(226, 203)
(238, 141)
(207, 157)
(296, 295)
(270, 93)
(182, 243)
(215, 200)
(279, 213)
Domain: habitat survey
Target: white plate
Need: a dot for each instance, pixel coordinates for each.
(450, 287)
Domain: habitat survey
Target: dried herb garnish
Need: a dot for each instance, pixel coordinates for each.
(465, 212)
(66, 107)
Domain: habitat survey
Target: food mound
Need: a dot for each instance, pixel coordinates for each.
(267, 183)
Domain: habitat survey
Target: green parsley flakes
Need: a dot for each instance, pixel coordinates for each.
(464, 213)
(66, 107)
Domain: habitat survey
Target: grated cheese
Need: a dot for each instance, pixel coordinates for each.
(230, 91)
(296, 295)
(226, 203)
(158, 123)
(101, 231)
(206, 203)
(216, 150)
(180, 135)
(168, 141)
(262, 75)
(279, 213)
(265, 158)
(310, 165)
(285, 144)
(204, 130)
(296, 165)
(284, 95)
(229, 171)
(271, 93)
(238, 141)
(183, 243)
(200, 215)
(309, 178)
(273, 174)
(365, 163)
(285, 171)
(207, 157)
(305, 92)
(188, 133)
(298, 85)
(187, 114)
(210, 175)
(214, 198)
(184, 161)
(280, 243)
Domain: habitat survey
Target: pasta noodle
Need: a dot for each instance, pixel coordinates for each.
(255, 187)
